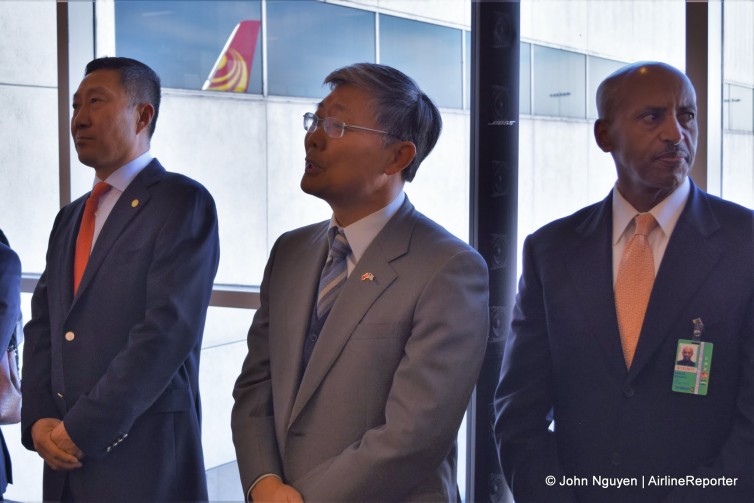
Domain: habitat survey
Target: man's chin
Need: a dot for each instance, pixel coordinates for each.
(87, 160)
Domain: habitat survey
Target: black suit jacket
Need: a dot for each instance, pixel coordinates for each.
(119, 362)
(616, 423)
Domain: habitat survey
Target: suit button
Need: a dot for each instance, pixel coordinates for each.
(69, 336)
(629, 392)
(615, 459)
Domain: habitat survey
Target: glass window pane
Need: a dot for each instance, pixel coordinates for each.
(737, 177)
(599, 69)
(726, 106)
(524, 92)
(307, 40)
(741, 111)
(467, 69)
(430, 54)
(182, 41)
(559, 82)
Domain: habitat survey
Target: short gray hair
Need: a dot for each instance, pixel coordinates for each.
(401, 108)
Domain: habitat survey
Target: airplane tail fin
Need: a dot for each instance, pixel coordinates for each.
(232, 70)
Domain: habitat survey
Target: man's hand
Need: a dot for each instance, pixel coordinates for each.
(272, 490)
(59, 435)
(54, 456)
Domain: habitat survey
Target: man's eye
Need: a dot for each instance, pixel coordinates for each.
(650, 117)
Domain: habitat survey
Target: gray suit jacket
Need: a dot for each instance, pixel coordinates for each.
(376, 413)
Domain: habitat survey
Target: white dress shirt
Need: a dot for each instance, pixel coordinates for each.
(118, 181)
(361, 233)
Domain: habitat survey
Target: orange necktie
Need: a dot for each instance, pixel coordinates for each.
(636, 275)
(86, 233)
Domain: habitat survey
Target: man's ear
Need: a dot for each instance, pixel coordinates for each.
(146, 114)
(602, 135)
(403, 153)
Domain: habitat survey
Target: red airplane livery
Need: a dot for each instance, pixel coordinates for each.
(233, 68)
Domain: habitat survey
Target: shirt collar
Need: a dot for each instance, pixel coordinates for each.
(361, 233)
(123, 176)
(666, 212)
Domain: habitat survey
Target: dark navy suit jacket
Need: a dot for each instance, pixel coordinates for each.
(563, 360)
(119, 362)
(10, 308)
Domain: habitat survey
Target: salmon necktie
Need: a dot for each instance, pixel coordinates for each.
(86, 234)
(636, 275)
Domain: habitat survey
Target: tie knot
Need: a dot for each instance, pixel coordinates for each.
(645, 222)
(339, 248)
(98, 190)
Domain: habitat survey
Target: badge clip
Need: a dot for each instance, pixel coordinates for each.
(698, 329)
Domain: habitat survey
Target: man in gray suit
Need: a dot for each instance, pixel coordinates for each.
(362, 359)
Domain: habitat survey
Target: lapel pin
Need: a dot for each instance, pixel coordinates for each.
(367, 276)
(134, 203)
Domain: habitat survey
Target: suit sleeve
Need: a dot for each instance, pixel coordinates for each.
(428, 397)
(179, 285)
(252, 420)
(524, 397)
(10, 294)
(36, 372)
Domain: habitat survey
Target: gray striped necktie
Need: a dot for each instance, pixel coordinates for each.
(334, 273)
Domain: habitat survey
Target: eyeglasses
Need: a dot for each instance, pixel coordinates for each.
(333, 127)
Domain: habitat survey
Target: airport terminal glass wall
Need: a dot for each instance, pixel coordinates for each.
(239, 75)
(737, 173)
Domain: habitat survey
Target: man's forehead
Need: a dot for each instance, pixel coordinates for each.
(332, 104)
(672, 92)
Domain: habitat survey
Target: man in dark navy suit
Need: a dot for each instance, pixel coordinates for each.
(111, 361)
(621, 412)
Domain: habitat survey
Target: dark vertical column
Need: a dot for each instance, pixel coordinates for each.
(704, 69)
(697, 70)
(495, 57)
(64, 97)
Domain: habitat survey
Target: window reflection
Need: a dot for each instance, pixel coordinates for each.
(307, 40)
(524, 93)
(182, 41)
(738, 108)
(430, 54)
(559, 82)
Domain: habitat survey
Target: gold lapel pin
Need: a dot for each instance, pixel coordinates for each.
(367, 276)
(134, 203)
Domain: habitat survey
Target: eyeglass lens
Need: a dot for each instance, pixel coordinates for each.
(333, 128)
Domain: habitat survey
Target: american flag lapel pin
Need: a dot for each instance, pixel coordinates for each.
(367, 276)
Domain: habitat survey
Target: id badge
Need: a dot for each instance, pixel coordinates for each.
(692, 367)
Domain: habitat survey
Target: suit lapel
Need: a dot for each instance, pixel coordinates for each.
(131, 203)
(592, 257)
(299, 301)
(355, 300)
(689, 259)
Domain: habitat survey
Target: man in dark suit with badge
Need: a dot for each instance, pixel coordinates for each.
(606, 297)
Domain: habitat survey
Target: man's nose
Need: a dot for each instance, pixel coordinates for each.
(672, 131)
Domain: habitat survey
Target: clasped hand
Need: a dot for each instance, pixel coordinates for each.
(53, 444)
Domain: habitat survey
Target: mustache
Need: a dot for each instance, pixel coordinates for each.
(675, 150)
